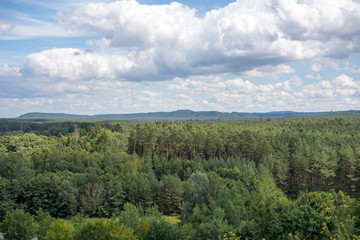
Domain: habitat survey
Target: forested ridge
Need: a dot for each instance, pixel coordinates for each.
(273, 179)
(187, 115)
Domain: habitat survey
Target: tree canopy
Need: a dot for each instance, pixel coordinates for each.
(274, 179)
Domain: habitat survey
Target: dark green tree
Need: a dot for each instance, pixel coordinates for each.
(170, 195)
(18, 225)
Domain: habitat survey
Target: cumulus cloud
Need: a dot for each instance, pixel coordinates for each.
(193, 57)
(197, 93)
(160, 42)
(72, 63)
(244, 36)
(130, 24)
(322, 20)
(242, 95)
(342, 86)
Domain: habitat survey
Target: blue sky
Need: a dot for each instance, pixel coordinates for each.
(95, 57)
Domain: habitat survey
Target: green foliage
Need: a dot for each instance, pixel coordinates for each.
(153, 211)
(300, 221)
(140, 190)
(92, 198)
(160, 229)
(48, 192)
(6, 202)
(18, 169)
(103, 229)
(213, 226)
(18, 225)
(196, 194)
(273, 179)
(230, 236)
(200, 184)
(44, 221)
(337, 212)
(142, 229)
(130, 217)
(115, 198)
(170, 195)
(60, 230)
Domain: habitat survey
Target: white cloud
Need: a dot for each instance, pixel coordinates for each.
(9, 71)
(252, 37)
(130, 24)
(4, 27)
(324, 64)
(310, 76)
(38, 29)
(319, 19)
(197, 93)
(193, 56)
(269, 71)
(316, 67)
(72, 64)
(241, 95)
(341, 87)
(333, 24)
(160, 42)
(230, 39)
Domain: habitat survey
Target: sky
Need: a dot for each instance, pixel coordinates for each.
(98, 57)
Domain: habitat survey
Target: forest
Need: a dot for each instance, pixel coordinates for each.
(288, 178)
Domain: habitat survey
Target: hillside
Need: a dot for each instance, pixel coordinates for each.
(183, 115)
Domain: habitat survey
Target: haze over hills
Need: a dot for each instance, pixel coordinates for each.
(185, 115)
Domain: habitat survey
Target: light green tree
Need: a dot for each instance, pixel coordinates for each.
(103, 229)
(60, 230)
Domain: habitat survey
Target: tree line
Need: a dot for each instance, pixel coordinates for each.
(272, 179)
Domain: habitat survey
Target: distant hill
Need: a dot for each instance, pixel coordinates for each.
(180, 115)
(37, 115)
(183, 115)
